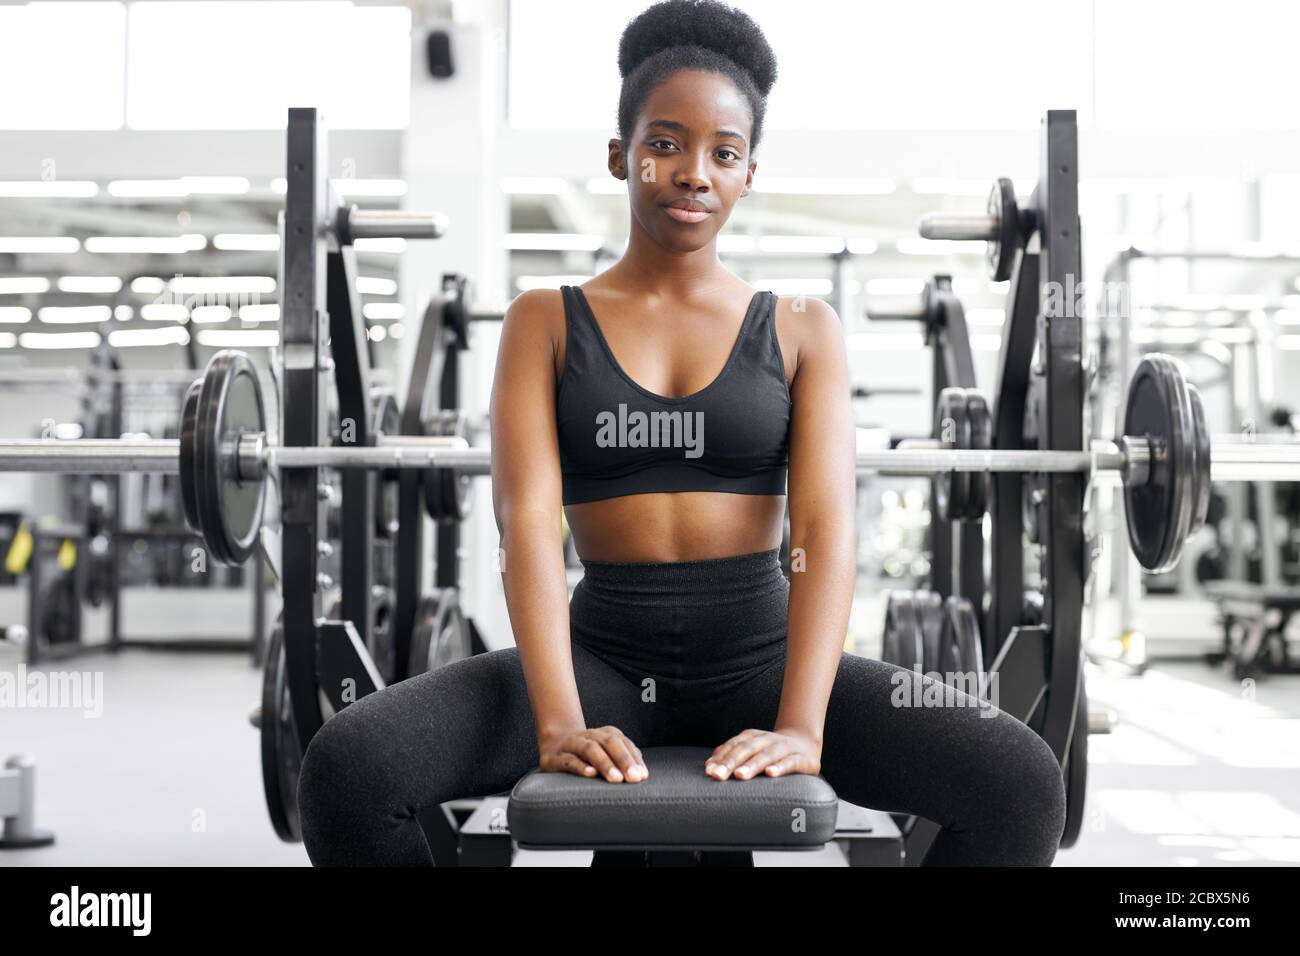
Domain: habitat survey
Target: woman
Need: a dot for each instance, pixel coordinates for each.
(661, 404)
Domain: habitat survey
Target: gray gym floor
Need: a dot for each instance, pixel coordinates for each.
(1197, 772)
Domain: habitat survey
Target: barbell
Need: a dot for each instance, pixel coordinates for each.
(223, 458)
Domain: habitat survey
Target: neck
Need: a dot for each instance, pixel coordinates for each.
(648, 269)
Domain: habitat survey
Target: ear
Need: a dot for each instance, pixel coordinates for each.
(617, 159)
(749, 179)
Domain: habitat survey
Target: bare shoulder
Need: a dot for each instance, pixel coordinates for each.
(809, 324)
(537, 308)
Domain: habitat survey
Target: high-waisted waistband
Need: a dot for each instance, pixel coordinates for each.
(706, 581)
(704, 626)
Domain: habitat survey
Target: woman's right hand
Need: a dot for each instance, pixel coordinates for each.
(591, 751)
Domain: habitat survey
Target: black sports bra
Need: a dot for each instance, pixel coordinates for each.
(617, 438)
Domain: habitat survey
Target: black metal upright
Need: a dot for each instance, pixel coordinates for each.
(1060, 349)
(348, 344)
(303, 326)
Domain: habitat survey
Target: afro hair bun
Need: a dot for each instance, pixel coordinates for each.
(703, 23)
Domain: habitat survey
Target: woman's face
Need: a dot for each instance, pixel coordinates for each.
(688, 159)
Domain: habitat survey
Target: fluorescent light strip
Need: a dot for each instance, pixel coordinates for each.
(160, 245)
(73, 315)
(606, 186)
(377, 334)
(59, 340)
(54, 189)
(1281, 317)
(552, 241)
(911, 246)
(811, 186)
(239, 338)
(123, 313)
(372, 285)
(19, 285)
(246, 241)
(383, 310)
(8, 340)
(142, 338)
(895, 286)
(535, 186)
(826, 245)
(268, 312)
(178, 188)
(862, 246)
(356, 188)
(209, 314)
(14, 315)
(102, 285)
(197, 285)
(148, 285)
(164, 312)
(54, 245)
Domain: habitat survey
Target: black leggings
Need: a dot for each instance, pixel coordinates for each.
(689, 653)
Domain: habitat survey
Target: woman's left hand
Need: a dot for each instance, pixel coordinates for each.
(771, 752)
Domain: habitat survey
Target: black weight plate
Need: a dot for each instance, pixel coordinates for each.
(1159, 409)
(230, 405)
(903, 643)
(929, 612)
(980, 422)
(187, 476)
(1201, 471)
(281, 752)
(441, 633)
(1076, 772)
(963, 655)
(1001, 253)
(951, 488)
(448, 491)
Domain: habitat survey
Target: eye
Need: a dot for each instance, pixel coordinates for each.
(665, 142)
(731, 151)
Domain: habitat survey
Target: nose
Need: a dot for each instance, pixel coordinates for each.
(691, 172)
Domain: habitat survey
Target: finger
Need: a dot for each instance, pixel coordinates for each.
(616, 745)
(720, 752)
(596, 756)
(568, 763)
(757, 762)
(790, 763)
(736, 755)
(640, 760)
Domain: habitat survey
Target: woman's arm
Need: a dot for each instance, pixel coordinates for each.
(526, 496)
(822, 490)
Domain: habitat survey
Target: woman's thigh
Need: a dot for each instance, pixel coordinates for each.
(464, 730)
(897, 742)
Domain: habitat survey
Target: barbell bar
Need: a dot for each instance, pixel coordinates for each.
(224, 456)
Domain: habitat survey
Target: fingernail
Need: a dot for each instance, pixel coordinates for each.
(743, 768)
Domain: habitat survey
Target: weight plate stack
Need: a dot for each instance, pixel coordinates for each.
(1001, 252)
(448, 491)
(441, 633)
(902, 643)
(952, 429)
(188, 480)
(1076, 772)
(387, 420)
(963, 655)
(929, 613)
(980, 422)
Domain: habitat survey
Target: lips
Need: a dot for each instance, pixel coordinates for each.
(687, 210)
